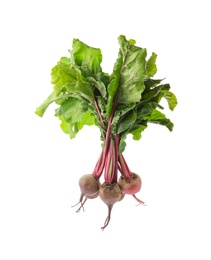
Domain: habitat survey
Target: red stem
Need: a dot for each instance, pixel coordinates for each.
(117, 139)
(119, 167)
(105, 149)
(125, 169)
(95, 172)
(108, 174)
(99, 112)
(111, 163)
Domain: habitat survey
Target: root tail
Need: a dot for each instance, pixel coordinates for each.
(82, 203)
(108, 218)
(140, 201)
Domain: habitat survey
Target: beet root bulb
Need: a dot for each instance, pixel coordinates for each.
(110, 194)
(131, 186)
(89, 185)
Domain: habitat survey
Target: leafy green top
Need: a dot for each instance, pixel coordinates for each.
(129, 97)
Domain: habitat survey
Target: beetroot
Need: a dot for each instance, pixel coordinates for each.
(131, 185)
(89, 186)
(110, 194)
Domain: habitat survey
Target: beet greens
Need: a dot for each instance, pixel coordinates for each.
(119, 104)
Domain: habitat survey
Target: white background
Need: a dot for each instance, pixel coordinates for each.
(40, 166)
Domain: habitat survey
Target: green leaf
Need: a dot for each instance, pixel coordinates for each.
(73, 128)
(62, 76)
(120, 111)
(104, 77)
(99, 85)
(42, 108)
(151, 83)
(145, 109)
(122, 144)
(159, 118)
(71, 110)
(69, 79)
(114, 83)
(88, 119)
(138, 132)
(84, 89)
(151, 93)
(171, 99)
(132, 42)
(165, 93)
(126, 121)
(151, 67)
(128, 74)
(85, 56)
(133, 72)
(50, 99)
(70, 129)
(102, 105)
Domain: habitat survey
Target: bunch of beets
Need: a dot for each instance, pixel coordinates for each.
(121, 103)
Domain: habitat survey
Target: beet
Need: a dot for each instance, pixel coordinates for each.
(110, 193)
(131, 185)
(89, 185)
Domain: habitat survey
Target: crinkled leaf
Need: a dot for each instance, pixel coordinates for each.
(114, 83)
(69, 79)
(50, 99)
(159, 118)
(104, 77)
(151, 93)
(171, 99)
(73, 128)
(88, 119)
(62, 76)
(85, 56)
(99, 85)
(122, 144)
(42, 108)
(84, 89)
(70, 129)
(145, 109)
(151, 83)
(72, 110)
(102, 105)
(126, 121)
(133, 72)
(128, 74)
(74, 114)
(151, 67)
(120, 111)
(164, 88)
(168, 95)
(138, 132)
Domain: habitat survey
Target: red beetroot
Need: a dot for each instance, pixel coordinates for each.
(89, 186)
(131, 185)
(110, 193)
